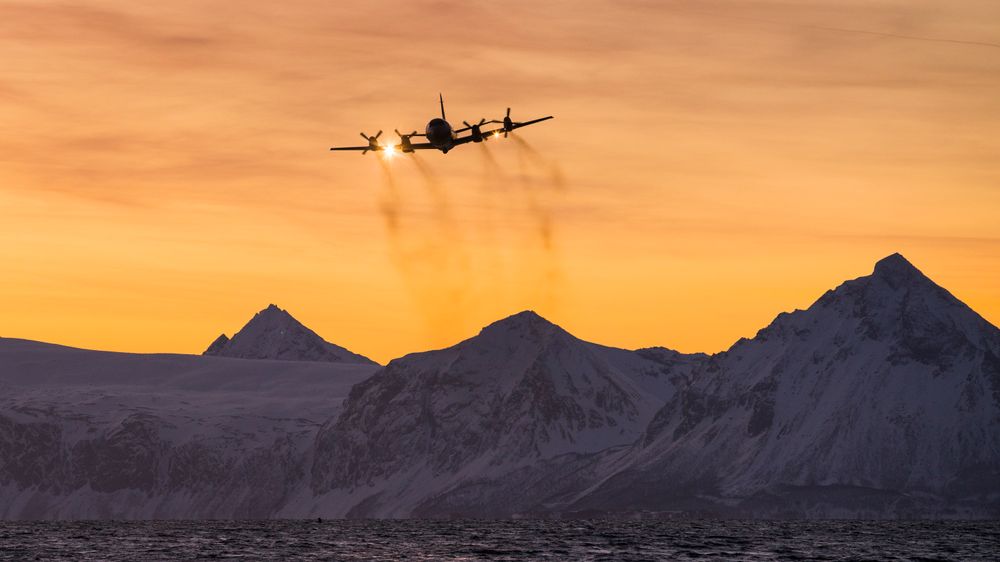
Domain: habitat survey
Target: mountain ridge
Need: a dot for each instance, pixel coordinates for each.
(881, 399)
(273, 333)
(521, 392)
(837, 396)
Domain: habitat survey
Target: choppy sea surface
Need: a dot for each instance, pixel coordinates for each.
(500, 540)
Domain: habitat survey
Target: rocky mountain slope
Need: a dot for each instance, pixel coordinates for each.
(520, 395)
(274, 334)
(883, 398)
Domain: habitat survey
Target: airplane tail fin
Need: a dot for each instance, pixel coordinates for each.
(441, 99)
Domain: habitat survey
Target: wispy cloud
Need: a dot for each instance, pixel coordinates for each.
(745, 130)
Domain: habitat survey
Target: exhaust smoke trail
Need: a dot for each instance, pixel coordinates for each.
(494, 188)
(429, 257)
(442, 208)
(389, 201)
(542, 215)
(556, 177)
(448, 232)
(539, 212)
(493, 169)
(447, 282)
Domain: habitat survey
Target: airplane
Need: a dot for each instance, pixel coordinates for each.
(441, 136)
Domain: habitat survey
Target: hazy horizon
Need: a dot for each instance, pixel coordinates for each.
(232, 332)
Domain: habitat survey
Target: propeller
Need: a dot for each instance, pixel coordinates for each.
(477, 131)
(508, 124)
(404, 140)
(372, 141)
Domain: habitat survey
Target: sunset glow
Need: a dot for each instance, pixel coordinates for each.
(165, 172)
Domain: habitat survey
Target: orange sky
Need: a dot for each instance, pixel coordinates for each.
(164, 170)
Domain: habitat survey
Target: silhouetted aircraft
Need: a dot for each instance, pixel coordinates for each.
(441, 136)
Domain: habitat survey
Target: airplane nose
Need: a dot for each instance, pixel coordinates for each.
(438, 132)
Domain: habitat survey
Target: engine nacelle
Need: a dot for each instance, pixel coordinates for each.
(404, 141)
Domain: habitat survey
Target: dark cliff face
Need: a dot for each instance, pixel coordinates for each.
(274, 334)
(134, 459)
(885, 383)
(521, 392)
(98, 435)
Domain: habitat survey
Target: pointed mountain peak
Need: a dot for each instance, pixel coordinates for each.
(273, 333)
(893, 260)
(217, 345)
(896, 271)
(524, 322)
(897, 304)
(524, 317)
(273, 318)
(272, 311)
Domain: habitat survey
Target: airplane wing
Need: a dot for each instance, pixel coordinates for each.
(413, 145)
(532, 122)
(374, 146)
(463, 140)
(490, 133)
(422, 146)
(514, 125)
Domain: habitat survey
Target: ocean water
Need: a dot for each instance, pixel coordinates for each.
(577, 540)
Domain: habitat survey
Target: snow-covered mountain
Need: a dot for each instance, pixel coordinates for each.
(883, 398)
(445, 430)
(274, 334)
(96, 435)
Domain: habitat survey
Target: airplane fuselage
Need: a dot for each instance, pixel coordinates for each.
(440, 134)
